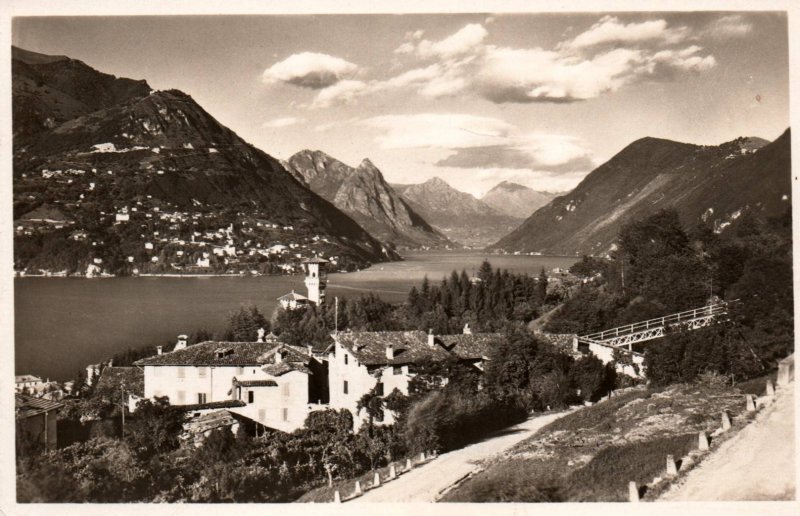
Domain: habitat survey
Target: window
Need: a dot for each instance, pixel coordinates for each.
(286, 414)
(345, 359)
(181, 372)
(251, 396)
(345, 386)
(201, 397)
(202, 372)
(181, 397)
(397, 369)
(285, 389)
(379, 389)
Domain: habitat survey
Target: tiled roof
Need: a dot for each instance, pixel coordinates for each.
(210, 405)
(210, 421)
(293, 360)
(26, 406)
(409, 347)
(112, 379)
(470, 346)
(207, 354)
(293, 296)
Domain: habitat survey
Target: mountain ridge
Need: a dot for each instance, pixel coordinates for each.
(363, 193)
(711, 183)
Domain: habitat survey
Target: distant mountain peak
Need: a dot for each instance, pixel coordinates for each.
(509, 186)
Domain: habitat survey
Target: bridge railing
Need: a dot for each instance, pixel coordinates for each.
(677, 318)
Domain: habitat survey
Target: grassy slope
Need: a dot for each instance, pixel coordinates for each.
(592, 454)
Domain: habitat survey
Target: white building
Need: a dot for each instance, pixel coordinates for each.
(385, 360)
(268, 382)
(292, 301)
(27, 382)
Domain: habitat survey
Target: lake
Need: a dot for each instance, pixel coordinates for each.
(64, 324)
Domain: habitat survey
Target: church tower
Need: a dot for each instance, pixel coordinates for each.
(316, 279)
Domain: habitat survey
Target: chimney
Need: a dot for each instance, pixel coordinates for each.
(310, 350)
(389, 352)
(278, 357)
(430, 337)
(158, 349)
(181, 342)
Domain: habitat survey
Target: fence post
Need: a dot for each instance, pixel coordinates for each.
(337, 498)
(726, 421)
(358, 491)
(633, 492)
(392, 472)
(672, 468)
(408, 465)
(422, 456)
(750, 403)
(376, 480)
(702, 441)
(770, 388)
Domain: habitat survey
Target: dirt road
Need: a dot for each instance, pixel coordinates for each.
(424, 484)
(756, 464)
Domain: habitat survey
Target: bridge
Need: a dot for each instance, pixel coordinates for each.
(624, 337)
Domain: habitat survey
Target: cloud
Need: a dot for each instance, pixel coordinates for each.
(464, 41)
(343, 92)
(544, 152)
(730, 26)
(602, 59)
(438, 130)
(609, 30)
(309, 70)
(282, 122)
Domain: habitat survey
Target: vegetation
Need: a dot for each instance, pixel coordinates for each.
(660, 268)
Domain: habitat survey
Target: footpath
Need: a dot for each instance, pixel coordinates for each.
(757, 464)
(428, 482)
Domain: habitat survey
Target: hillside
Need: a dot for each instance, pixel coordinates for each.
(715, 184)
(148, 180)
(459, 215)
(516, 200)
(364, 194)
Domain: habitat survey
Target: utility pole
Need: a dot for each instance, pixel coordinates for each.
(122, 406)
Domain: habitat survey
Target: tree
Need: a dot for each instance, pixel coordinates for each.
(243, 325)
(155, 428)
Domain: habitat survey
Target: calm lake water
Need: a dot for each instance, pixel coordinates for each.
(63, 324)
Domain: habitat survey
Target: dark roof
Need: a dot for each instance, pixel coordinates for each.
(293, 359)
(369, 347)
(209, 405)
(206, 354)
(470, 346)
(27, 406)
(254, 383)
(112, 379)
(210, 421)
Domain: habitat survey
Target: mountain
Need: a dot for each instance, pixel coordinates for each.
(715, 184)
(516, 200)
(364, 194)
(459, 215)
(148, 180)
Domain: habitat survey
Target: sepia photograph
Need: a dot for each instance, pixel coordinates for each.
(477, 254)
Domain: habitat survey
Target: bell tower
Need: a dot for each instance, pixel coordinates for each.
(316, 279)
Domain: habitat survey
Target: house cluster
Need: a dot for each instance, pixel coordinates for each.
(277, 385)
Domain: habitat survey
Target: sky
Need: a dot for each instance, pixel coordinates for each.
(475, 99)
